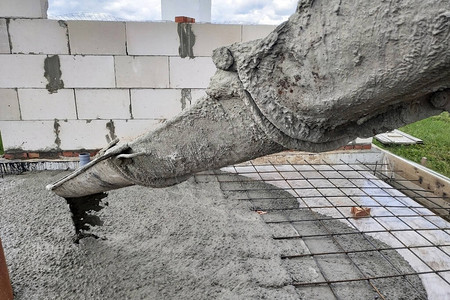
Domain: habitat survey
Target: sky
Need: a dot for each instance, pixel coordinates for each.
(222, 11)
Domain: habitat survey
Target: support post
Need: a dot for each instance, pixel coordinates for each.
(6, 292)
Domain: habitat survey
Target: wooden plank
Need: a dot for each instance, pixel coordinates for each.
(397, 137)
(384, 139)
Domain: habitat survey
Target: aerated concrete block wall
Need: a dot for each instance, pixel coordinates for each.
(72, 85)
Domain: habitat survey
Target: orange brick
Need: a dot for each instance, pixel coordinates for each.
(359, 212)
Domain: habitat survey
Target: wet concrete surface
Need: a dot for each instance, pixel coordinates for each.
(190, 241)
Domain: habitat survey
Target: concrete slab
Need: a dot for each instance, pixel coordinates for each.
(190, 73)
(9, 105)
(32, 36)
(79, 71)
(24, 8)
(140, 71)
(160, 104)
(4, 38)
(28, 135)
(19, 77)
(103, 104)
(152, 38)
(39, 104)
(97, 37)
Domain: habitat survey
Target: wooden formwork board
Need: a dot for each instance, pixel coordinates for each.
(424, 177)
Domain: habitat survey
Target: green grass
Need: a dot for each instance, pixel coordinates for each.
(435, 133)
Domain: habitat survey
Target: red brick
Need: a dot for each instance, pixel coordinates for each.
(8, 156)
(184, 19)
(19, 155)
(49, 155)
(69, 154)
(33, 155)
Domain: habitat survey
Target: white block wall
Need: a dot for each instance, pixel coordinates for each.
(142, 71)
(23, 8)
(120, 79)
(4, 43)
(38, 37)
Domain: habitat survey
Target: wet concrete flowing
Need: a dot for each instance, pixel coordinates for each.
(190, 241)
(84, 214)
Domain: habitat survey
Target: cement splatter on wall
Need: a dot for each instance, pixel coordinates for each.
(187, 40)
(53, 74)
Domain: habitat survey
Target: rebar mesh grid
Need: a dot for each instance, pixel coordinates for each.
(327, 192)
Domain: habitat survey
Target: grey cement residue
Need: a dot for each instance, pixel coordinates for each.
(194, 240)
(112, 131)
(9, 35)
(56, 130)
(63, 24)
(186, 98)
(223, 58)
(130, 108)
(187, 40)
(53, 74)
